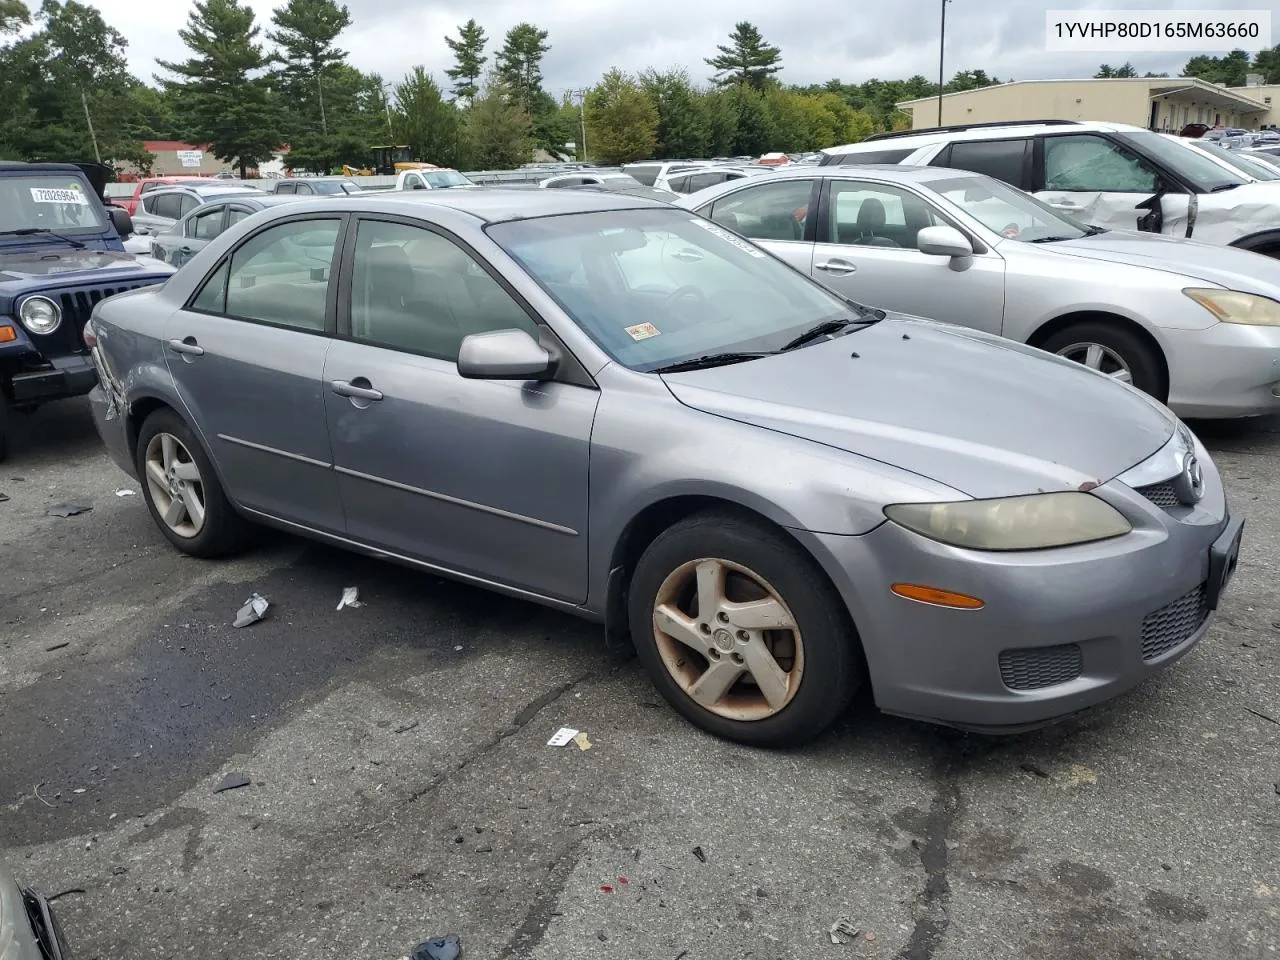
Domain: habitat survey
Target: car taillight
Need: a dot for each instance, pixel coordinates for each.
(90, 338)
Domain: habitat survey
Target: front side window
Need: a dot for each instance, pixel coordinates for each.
(206, 225)
(1008, 212)
(1088, 164)
(49, 201)
(282, 275)
(769, 211)
(414, 290)
(876, 215)
(657, 286)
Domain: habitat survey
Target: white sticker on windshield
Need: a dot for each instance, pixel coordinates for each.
(728, 237)
(67, 195)
(643, 331)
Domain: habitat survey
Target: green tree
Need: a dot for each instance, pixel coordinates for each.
(1267, 63)
(519, 65)
(622, 123)
(14, 15)
(423, 119)
(497, 134)
(684, 125)
(223, 94)
(1231, 69)
(469, 60)
(306, 34)
(745, 59)
(754, 135)
(1108, 72)
(722, 123)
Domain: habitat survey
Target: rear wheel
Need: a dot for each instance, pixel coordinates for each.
(742, 633)
(1113, 350)
(182, 491)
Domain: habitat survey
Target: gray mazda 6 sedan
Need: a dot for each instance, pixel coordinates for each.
(617, 408)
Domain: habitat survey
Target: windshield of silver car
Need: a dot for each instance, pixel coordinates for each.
(1007, 211)
(47, 202)
(655, 287)
(442, 179)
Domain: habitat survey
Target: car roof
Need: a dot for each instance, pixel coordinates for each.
(23, 166)
(210, 190)
(914, 141)
(496, 205)
(882, 171)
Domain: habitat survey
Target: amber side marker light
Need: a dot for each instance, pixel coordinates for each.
(8, 334)
(936, 597)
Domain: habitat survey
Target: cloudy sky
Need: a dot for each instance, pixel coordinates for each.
(820, 39)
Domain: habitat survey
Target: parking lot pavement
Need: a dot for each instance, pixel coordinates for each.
(402, 786)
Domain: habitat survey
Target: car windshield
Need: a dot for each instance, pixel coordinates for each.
(654, 287)
(1246, 165)
(1008, 211)
(440, 179)
(334, 187)
(1194, 167)
(57, 203)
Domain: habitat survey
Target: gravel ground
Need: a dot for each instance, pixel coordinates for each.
(402, 786)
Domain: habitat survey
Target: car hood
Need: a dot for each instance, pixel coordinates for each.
(1224, 266)
(89, 265)
(985, 416)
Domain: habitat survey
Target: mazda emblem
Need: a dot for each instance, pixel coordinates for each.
(1188, 486)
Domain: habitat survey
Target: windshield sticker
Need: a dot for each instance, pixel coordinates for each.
(71, 194)
(728, 237)
(643, 331)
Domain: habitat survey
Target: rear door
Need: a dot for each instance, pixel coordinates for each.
(866, 250)
(248, 355)
(775, 215)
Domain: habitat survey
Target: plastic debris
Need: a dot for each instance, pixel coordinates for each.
(68, 510)
(606, 888)
(562, 737)
(580, 738)
(126, 492)
(842, 931)
(350, 598)
(407, 727)
(441, 948)
(3, 497)
(254, 609)
(57, 646)
(232, 781)
(697, 852)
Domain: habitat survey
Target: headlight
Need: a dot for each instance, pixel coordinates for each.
(40, 314)
(1232, 306)
(1014, 523)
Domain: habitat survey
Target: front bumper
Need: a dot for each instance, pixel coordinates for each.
(1227, 370)
(1061, 630)
(71, 376)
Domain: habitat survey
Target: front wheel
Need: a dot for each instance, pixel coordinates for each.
(1113, 350)
(742, 633)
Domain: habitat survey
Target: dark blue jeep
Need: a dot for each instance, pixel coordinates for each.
(60, 253)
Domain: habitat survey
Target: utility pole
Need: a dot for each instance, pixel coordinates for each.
(324, 123)
(386, 102)
(84, 102)
(942, 49)
(582, 118)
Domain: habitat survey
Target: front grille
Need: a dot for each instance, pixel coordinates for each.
(1161, 494)
(1172, 625)
(76, 304)
(1034, 668)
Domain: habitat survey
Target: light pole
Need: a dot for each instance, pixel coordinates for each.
(942, 49)
(582, 119)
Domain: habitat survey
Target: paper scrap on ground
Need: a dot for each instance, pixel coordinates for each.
(562, 737)
(254, 609)
(126, 492)
(580, 738)
(350, 598)
(843, 928)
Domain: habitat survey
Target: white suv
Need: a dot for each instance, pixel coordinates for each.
(1107, 174)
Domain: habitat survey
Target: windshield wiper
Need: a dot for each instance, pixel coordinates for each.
(1051, 239)
(1223, 186)
(42, 232)
(826, 327)
(710, 360)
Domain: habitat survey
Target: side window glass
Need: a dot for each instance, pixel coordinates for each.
(679, 184)
(772, 211)
(877, 215)
(149, 205)
(415, 290)
(700, 180)
(207, 225)
(302, 188)
(212, 297)
(1002, 159)
(186, 203)
(235, 215)
(282, 275)
(284, 188)
(169, 206)
(1088, 163)
(646, 175)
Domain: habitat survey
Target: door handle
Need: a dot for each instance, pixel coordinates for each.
(186, 249)
(358, 389)
(835, 266)
(187, 346)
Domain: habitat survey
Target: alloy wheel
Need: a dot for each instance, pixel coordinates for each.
(728, 639)
(1095, 356)
(175, 485)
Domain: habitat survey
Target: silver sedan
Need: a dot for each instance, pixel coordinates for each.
(1195, 325)
(193, 232)
(619, 409)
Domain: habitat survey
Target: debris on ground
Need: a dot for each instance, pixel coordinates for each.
(254, 609)
(407, 727)
(3, 496)
(232, 781)
(350, 598)
(68, 510)
(1262, 716)
(842, 931)
(606, 888)
(697, 852)
(441, 948)
(126, 492)
(562, 737)
(1034, 770)
(580, 738)
(57, 646)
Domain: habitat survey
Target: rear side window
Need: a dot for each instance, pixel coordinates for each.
(646, 173)
(699, 181)
(679, 184)
(1002, 159)
(168, 205)
(867, 156)
(187, 204)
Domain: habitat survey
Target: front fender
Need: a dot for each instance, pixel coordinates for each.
(20, 345)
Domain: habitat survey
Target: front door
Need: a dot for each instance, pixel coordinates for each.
(484, 478)
(867, 251)
(248, 356)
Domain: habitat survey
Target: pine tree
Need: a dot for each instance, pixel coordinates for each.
(469, 60)
(306, 31)
(519, 65)
(746, 59)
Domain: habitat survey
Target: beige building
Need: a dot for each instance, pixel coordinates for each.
(1165, 104)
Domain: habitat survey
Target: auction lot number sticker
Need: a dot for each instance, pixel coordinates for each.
(59, 195)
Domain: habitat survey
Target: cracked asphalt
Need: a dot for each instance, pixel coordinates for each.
(402, 787)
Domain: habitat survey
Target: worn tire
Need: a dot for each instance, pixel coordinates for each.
(833, 668)
(1143, 362)
(224, 530)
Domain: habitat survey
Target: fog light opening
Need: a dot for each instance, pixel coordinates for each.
(935, 596)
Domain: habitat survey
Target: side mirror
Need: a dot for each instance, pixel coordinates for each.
(121, 220)
(946, 242)
(504, 355)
